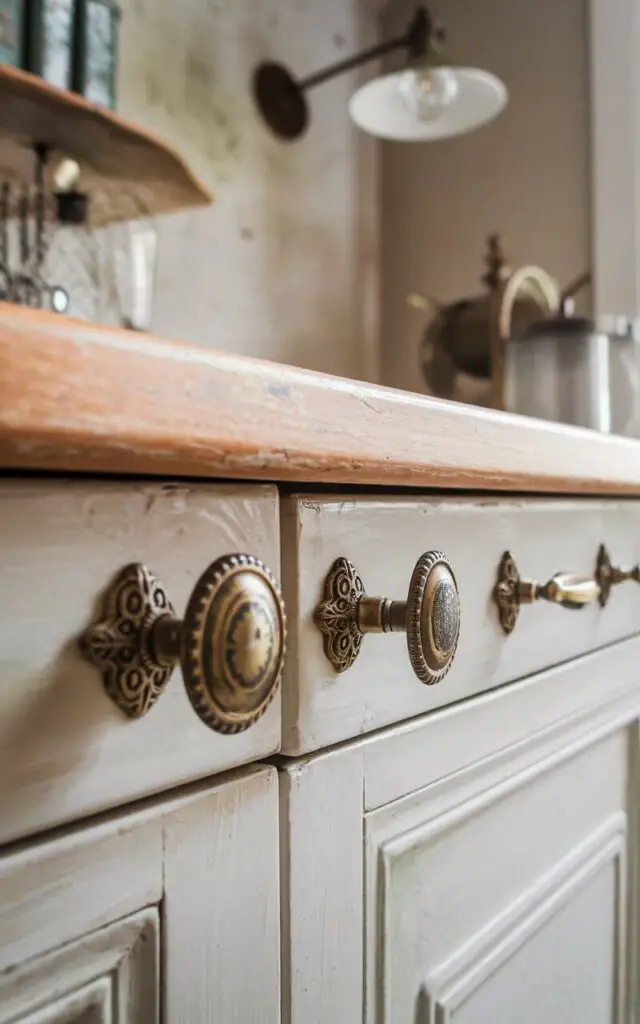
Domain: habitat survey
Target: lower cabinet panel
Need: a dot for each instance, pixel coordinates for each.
(109, 975)
(501, 887)
(171, 911)
(509, 907)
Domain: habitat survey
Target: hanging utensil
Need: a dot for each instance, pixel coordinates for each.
(6, 282)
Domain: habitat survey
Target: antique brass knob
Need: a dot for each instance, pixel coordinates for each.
(230, 644)
(511, 591)
(609, 575)
(430, 616)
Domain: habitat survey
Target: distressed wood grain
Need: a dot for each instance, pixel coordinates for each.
(172, 903)
(66, 750)
(384, 536)
(321, 843)
(86, 398)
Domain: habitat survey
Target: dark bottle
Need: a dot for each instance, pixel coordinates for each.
(48, 48)
(95, 43)
(11, 29)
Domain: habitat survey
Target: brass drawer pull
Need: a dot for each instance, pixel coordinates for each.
(566, 589)
(609, 575)
(230, 644)
(430, 616)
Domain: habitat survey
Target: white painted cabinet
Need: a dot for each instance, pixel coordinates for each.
(383, 536)
(171, 908)
(475, 866)
(503, 903)
(66, 750)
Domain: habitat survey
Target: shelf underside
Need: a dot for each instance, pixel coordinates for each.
(126, 171)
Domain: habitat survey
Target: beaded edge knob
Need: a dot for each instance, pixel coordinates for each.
(232, 643)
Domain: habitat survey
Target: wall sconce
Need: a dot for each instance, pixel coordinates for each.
(428, 100)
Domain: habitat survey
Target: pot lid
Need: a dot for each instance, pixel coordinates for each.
(570, 327)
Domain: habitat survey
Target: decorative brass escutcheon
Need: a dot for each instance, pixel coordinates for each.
(230, 644)
(430, 616)
(511, 591)
(609, 575)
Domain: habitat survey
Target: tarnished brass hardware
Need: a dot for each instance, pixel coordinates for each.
(609, 575)
(565, 588)
(230, 644)
(430, 616)
(468, 336)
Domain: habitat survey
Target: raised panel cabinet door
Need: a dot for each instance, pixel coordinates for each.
(168, 912)
(505, 905)
(479, 865)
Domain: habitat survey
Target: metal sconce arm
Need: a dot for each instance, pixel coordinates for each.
(415, 40)
(279, 95)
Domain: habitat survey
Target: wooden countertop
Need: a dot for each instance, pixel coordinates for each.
(81, 398)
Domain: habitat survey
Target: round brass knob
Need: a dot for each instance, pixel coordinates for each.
(230, 644)
(430, 616)
(433, 617)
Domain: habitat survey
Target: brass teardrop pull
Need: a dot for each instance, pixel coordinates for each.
(230, 644)
(511, 591)
(430, 616)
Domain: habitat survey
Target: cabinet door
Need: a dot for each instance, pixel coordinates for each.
(172, 906)
(480, 863)
(504, 904)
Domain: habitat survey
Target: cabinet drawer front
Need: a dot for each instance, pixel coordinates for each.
(65, 748)
(384, 539)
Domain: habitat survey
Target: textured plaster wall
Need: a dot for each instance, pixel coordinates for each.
(284, 265)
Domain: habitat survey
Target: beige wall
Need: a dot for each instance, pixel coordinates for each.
(525, 175)
(284, 264)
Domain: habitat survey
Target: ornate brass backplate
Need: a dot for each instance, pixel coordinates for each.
(336, 615)
(506, 593)
(120, 646)
(604, 574)
(231, 643)
(609, 575)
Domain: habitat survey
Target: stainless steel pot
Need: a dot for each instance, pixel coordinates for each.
(576, 370)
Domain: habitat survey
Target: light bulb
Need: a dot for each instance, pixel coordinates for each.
(428, 92)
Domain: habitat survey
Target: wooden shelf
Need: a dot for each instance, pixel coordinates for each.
(126, 170)
(77, 397)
